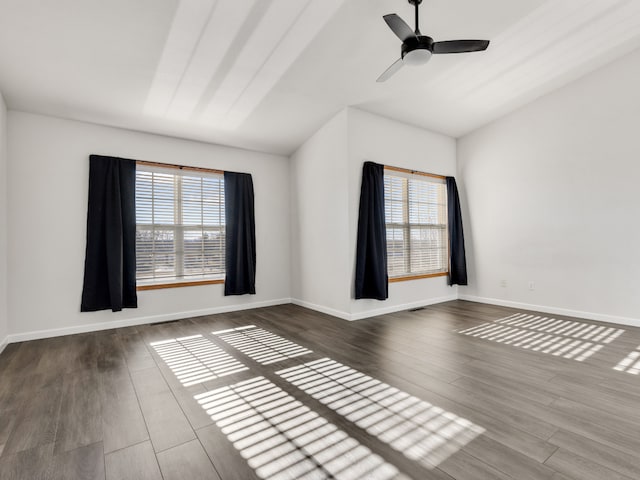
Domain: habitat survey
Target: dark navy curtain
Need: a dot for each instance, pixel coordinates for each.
(371, 253)
(457, 257)
(110, 259)
(240, 250)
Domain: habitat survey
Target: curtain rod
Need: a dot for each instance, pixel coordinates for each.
(414, 172)
(178, 167)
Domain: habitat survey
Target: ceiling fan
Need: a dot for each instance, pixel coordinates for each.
(417, 48)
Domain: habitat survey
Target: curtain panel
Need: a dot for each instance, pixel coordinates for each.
(457, 257)
(240, 239)
(371, 250)
(110, 258)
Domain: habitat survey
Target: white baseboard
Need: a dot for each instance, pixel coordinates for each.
(375, 312)
(600, 317)
(319, 308)
(92, 327)
(131, 322)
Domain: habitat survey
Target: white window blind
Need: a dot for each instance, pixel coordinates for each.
(416, 221)
(180, 224)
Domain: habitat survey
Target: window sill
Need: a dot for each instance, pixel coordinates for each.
(417, 277)
(192, 283)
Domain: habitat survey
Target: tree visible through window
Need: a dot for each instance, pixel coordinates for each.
(180, 221)
(416, 221)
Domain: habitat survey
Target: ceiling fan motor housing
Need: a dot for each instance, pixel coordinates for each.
(417, 50)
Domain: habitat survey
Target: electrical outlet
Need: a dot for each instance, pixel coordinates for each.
(503, 283)
(532, 286)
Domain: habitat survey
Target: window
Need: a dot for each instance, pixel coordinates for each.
(416, 221)
(180, 232)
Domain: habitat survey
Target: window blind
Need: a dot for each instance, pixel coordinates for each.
(180, 222)
(416, 222)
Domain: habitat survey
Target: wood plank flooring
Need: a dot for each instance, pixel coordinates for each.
(457, 391)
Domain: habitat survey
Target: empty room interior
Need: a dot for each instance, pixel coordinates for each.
(319, 239)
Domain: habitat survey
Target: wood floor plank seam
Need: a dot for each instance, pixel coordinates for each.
(552, 453)
(124, 448)
(589, 470)
(477, 457)
(135, 392)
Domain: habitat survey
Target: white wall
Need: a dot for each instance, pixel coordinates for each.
(48, 185)
(326, 174)
(319, 226)
(551, 195)
(389, 142)
(4, 319)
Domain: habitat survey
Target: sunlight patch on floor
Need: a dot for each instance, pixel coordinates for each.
(281, 438)
(419, 430)
(631, 364)
(566, 338)
(260, 345)
(195, 359)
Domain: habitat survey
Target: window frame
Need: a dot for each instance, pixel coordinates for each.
(176, 282)
(407, 227)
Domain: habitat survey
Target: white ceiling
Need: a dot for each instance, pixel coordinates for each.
(265, 74)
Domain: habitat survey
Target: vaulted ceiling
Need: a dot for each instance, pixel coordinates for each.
(265, 74)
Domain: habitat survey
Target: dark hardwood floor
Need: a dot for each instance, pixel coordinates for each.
(454, 391)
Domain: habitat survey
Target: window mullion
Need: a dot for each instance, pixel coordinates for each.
(178, 234)
(202, 240)
(407, 227)
(153, 228)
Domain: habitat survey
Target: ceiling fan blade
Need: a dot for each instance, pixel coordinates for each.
(460, 46)
(399, 26)
(388, 73)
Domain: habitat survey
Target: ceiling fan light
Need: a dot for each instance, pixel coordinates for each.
(419, 56)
